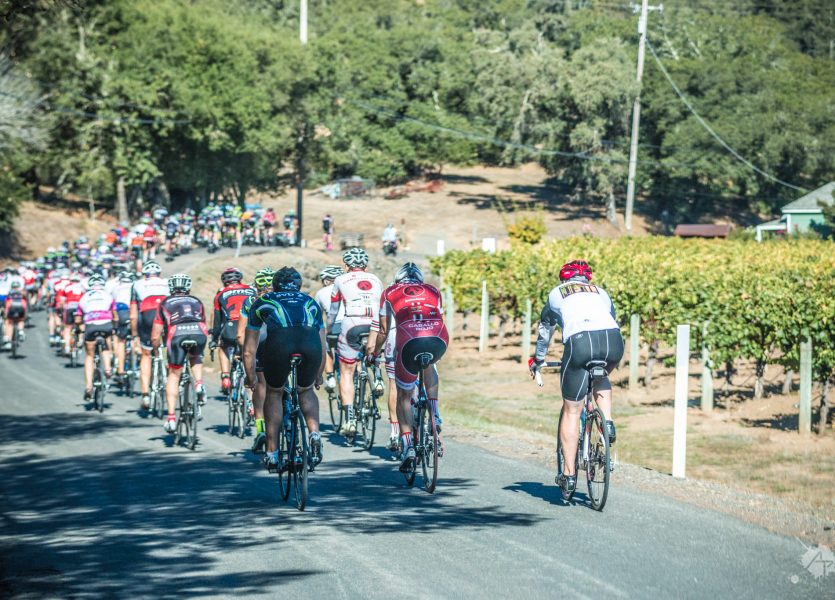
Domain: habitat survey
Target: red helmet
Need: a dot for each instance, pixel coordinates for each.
(575, 268)
(231, 275)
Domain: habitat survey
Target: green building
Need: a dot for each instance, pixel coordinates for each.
(803, 214)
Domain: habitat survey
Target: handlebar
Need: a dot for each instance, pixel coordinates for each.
(548, 365)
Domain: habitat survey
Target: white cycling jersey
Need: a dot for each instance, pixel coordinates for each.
(147, 293)
(576, 306)
(323, 299)
(96, 307)
(359, 292)
(6, 283)
(121, 294)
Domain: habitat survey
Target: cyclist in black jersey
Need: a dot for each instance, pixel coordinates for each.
(294, 326)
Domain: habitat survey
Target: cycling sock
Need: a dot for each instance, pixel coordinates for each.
(172, 417)
(407, 440)
(395, 428)
(349, 413)
(259, 425)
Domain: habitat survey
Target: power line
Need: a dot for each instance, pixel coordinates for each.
(713, 133)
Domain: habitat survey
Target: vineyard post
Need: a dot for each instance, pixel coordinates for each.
(707, 373)
(680, 406)
(485, 318)
(449, 312)
(805, 420)
(526, 330)
(634, 342)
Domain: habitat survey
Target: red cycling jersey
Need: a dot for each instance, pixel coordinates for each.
(229, 300)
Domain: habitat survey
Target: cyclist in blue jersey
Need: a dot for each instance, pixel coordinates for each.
(294, 326)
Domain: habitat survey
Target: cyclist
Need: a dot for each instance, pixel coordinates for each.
(68, 302)
(414, 309)
(121, 292)
(15, 307)
(586, 315)
(263, 283)
(323, 299)
(294, 326)
(327, 227)
(180, 317)
(145, 297)
(358, 293)
(227, 311)
(97, 311)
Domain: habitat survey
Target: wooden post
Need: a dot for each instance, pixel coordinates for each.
(680, 407)
(634, 345)
(805, 420)
(484, 332)
(526, 331)
(707, 373)
(449, 313)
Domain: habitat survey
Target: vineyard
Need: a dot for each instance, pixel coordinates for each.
(745, 300)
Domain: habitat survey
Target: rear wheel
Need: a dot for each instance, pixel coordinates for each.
(101, 389)
(597, 469)
(365, 419)
(191, 403)
(561, 457)
(241, 408)
(299, 461)
(428, 450)
(182, 423)
(285, 448)
(130, 372)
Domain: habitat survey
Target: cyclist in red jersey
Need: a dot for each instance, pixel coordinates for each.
(68, 303)
(227, 311)
(417, 315)
(145, 297)
(180, 317)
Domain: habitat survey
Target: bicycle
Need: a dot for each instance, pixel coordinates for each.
(365, 399)
(99, 376)
(75, 347)
(424, 432)
(293, 450)
(593, 442)
(156, 387)
(187, 408)
(238, 400)
(129, 380)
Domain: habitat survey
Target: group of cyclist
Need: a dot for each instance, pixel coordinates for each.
(91, 291)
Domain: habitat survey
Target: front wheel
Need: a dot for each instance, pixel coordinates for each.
(285, 448)
(561, 457)
(299, 463)
(598, 465)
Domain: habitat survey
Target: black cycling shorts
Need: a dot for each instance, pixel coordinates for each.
(353, 336)
(69, 316)
(280, 344)
(91, 332)
(15, 312)
(578, 350)
(123, 327)
(177, 354)
(144, 324)
(228, 334)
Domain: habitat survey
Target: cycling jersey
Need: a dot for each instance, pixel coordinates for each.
(281, 310)
(70, 295)
(179, 310)
(6, 284)
(121, 293)
(418, 321)
(147, 293)
(359, 292)
(15, 305)
(323, 299)
(96, 308)
(227, 310)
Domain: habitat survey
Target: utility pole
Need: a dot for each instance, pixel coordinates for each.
(301, 146)
(636, 110)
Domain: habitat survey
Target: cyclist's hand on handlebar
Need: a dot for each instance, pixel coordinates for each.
(213, 345)
(370, 359)
(534, 366)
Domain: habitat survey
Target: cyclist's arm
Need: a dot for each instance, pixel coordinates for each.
(217, 318)
(249, 348)
(549, 320)
(156, 329)
(134, 312)
(240, 335)
(333, 311)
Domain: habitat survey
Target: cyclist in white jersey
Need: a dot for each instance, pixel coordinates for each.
(323, 299)
(146, 295)
(97, 311)
(586, 315)
(358, 292)
(121, 292)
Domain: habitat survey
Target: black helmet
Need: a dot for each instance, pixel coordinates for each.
(287, 279)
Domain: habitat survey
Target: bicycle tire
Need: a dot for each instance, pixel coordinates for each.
(336, 409)
(130, 371)
(192, 415)
(230, 414)
(429, 450)
(285, 447)
(96, 388)
(299, 461)
(561, 458)
(597, 468)
(365, 412)
(181, 432)
(102, 389)
(14, 344)
(241, 410)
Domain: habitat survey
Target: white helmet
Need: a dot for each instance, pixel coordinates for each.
(151, 267)
(409, 272)
(355, 258)
(179, 282)
(95, 282)
(331, 272)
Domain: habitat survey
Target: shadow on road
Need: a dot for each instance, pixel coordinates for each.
(57, 427)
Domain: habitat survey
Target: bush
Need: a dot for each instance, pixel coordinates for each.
(529, 229)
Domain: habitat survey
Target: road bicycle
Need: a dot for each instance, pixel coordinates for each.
(293, 450)
(129, 380)
(367, 388)
(187, 408)
(156, 386)
(238, 400)
(593, 451)
(428, 447)
(99, 375)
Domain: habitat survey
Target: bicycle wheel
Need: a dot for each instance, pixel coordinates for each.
(365, 414)
(191, 403)
(597, 468)
(101, 390)
(15, 342)
(428, 449)
(561, 457)
(285, 447)
(336, 410)
(241, 409)
(130, 371)
(96, 387)
(299, 461)
(182, 425)
(231, 413)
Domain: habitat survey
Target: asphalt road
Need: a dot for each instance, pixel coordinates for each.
(101, 505)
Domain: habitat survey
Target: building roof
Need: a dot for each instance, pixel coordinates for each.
(704, 231)
(810, 200)
(777, 225)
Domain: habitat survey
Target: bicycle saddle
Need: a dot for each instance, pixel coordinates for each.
(186, 344)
